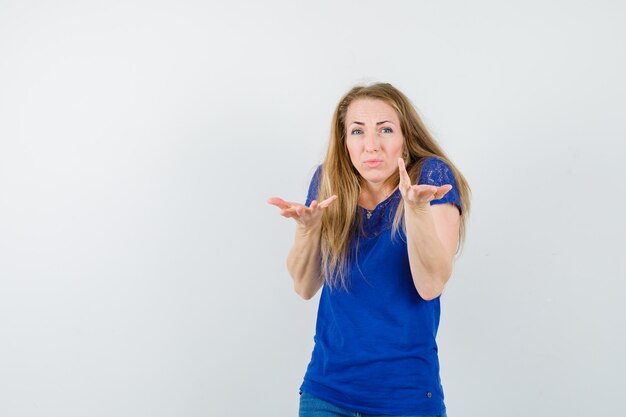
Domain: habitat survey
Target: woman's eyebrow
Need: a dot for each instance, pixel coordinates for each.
(377, 123)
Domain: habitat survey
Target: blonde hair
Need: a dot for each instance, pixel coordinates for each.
(340, 177)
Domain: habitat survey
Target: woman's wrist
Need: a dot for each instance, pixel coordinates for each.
(308, 231)
(418, 209)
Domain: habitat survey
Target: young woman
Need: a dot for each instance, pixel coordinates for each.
(383, 220)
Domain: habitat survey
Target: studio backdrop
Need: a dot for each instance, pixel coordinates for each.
(142, 272)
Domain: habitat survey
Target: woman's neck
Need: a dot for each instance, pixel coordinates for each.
(374, 194)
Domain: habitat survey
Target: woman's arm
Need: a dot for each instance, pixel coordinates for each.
(303, 262)
(432, 234)
(432, 239)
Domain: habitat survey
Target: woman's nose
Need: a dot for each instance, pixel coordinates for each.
(371, 142)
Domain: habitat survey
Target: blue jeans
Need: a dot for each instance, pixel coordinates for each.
(311, 406)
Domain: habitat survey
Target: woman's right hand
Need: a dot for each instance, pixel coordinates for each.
(306, 217)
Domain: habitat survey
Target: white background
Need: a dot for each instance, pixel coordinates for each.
(142, 272)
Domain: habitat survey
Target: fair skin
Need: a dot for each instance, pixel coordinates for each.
(302, 261)
(375, 142)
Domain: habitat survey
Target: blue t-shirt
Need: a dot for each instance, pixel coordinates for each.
(375, 349)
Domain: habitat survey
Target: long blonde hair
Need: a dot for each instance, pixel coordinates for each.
(340, 177)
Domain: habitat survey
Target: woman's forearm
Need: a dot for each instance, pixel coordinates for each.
(431, 265)
(303, 262)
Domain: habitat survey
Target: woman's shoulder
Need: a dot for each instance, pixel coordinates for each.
(433, 169)
(436, 171)
(434, 162)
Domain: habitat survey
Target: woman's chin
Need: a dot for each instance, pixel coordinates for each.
(375, 180)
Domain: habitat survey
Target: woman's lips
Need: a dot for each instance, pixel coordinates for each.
(373, 163)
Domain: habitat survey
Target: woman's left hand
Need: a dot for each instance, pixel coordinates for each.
(418, 195)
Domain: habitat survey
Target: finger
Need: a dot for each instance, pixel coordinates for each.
(287, 213)
(328, 201)
(442, 191)
(402, 172)
(290, 214)
(402, 185)
(279, 202)
(422, 192)
(292, 209)
(313, 204)
(405, 180)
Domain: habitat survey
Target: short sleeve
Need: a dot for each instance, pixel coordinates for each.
(437, 172)
(314, 186)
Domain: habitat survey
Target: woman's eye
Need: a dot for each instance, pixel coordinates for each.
(356, 131)
(387, 130)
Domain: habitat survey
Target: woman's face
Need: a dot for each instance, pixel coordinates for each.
(374, 139)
